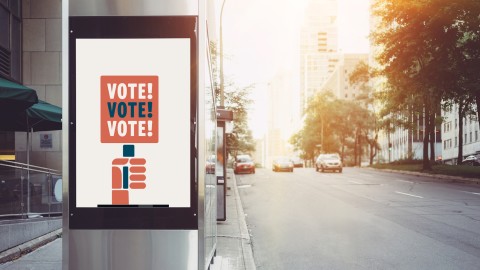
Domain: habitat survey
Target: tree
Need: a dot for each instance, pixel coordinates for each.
(332, 125)
(417, 44)
(237, 100)
(240, 140)
(362, 75)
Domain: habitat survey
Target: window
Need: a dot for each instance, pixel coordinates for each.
(10, 40)
(456, 142)
(470, 136)
(476, 135)
(456, 124)
(7, 144)
(465, 138)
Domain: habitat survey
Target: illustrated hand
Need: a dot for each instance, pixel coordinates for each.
(128, 172)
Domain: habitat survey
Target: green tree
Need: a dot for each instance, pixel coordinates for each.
(240, 141)
(362, 76)
(237, 99)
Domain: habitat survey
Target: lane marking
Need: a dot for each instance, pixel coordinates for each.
(411, 195)
(474, 193)
(244, 186)
(355, 182)
(411, 182)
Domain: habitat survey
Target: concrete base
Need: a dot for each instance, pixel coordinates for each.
(17, 232)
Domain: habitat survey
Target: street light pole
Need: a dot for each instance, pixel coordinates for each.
(222, 94)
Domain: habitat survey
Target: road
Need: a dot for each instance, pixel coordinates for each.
(360, 219)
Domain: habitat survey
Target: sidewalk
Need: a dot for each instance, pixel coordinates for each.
(234, 249)
(440, 177)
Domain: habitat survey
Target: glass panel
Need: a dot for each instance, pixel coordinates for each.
(28, 193)
(210, 155)
(10, 191)
(4, 28)
(16, 66)
(15, 7)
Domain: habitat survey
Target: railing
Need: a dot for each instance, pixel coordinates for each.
(28, 191)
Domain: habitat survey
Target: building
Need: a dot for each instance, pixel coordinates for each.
(283, 115)
(30, 50)
(450, 142)
(318, 47)
(31, 55)
(338, 82)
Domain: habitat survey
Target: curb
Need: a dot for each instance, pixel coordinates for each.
(442, 177)
(246, 241)
(18, 251)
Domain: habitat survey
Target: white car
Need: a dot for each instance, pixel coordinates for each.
(330, 162)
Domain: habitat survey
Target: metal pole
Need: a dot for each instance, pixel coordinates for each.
(222, 95)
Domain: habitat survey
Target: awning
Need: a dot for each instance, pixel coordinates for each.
(42, 116)
(15, 97)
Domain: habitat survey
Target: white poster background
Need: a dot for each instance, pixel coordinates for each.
(168, 161)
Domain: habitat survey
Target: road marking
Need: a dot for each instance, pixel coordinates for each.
(355, 182)
(411, 182)
(411, 195)
(244, 186)
(474, 193)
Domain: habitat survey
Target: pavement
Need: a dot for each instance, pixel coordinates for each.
(439, 177)
(234, 248)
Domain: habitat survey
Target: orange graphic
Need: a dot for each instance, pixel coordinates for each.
(129, 109)
(128, 172)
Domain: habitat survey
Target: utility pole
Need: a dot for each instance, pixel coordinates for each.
(222, 81)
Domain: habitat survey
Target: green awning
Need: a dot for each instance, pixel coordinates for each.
(15, 97)
(44, 116)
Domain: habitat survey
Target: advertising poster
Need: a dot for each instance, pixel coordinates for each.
(133, 122)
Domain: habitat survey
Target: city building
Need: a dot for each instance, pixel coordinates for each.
(338, 82)
(450, 130)
(318, 47)
(283, 115)
(30, 55)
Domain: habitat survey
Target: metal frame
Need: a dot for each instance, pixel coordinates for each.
(97, 237)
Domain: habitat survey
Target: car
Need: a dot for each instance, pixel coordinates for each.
(282, 164)
(243, 163)
(210, 164)
(471, 161)
(297, 162)
(330, 162)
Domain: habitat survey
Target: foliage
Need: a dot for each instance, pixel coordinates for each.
(240, 140)
(237, 99)
(426, 47)
(331, 125)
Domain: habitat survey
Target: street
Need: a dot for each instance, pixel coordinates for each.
(360, 219)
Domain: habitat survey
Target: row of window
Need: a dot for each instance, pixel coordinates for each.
(447, 126)
(447, 144)
(10, 40)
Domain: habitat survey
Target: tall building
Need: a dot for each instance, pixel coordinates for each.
(282, 115)
(318, 47)
(338, 82)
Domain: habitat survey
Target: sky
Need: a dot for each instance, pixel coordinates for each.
(261, 37)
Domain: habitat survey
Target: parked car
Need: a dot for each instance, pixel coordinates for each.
(243, 163)
(297, 162)
(471, 161)
(328, 162)
(282, 164)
